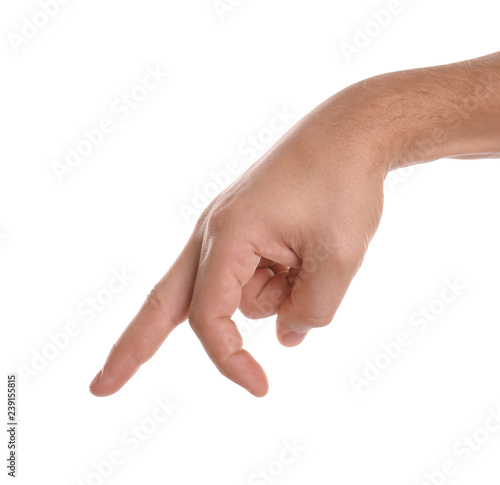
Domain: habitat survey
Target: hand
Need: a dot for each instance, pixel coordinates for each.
(287, 237)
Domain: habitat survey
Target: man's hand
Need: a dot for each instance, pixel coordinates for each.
(289, 235)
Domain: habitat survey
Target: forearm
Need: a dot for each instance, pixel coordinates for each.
(420, 115)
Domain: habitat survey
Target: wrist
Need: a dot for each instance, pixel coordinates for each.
(422, 115)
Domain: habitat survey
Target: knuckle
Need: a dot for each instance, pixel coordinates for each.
(194, 318)
(318, 319)
(216, 220)
(347, 258)
(202, 220)
(155, 302)
(255, 310)
(255, 307)
(119, 345)
(311, 317)
(247, 308)
(153, 299)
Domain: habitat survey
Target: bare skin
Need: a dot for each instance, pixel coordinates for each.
(289, 235)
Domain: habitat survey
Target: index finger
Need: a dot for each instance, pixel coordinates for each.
(166, 306)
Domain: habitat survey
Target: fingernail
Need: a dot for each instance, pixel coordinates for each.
(96, 379)
(291, 339)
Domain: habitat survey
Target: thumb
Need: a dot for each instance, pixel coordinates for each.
(318, 289)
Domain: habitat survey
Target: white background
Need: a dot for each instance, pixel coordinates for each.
(121, 208)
